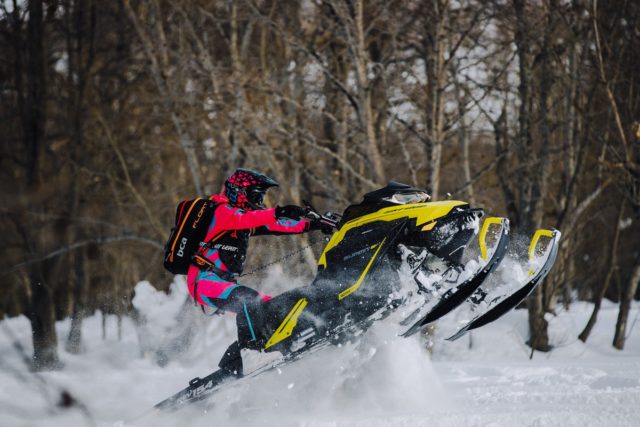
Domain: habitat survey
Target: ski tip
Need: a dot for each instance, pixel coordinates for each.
(408, 333)
(458, 334)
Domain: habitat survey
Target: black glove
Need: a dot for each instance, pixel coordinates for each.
(319, 224)
(290, 211)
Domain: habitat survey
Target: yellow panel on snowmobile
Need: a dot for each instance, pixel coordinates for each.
(353, 288)
(422, 212)
(290, 321)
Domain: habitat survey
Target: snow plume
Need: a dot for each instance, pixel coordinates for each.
(161, 320)
(171, 328)
(381, 377)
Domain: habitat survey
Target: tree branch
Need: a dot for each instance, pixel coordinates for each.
(68, 248)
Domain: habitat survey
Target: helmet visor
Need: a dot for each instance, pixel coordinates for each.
(255, 196)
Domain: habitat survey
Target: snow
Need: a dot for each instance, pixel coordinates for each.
(382, 380)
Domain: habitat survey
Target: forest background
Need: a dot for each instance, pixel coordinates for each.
(113, 111)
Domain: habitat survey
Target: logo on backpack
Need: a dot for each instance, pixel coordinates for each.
(183, 244)
(200, 213)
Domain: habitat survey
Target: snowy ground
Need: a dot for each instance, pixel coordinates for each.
(381, 381)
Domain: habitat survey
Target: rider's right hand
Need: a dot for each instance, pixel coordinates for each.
(321, 225)
(290, 211)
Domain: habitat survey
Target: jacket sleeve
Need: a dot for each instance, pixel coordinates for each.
(282, 226)
(230, 218)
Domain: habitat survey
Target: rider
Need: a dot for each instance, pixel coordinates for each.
(239, 214)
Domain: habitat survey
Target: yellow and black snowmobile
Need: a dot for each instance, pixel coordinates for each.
(394, 249)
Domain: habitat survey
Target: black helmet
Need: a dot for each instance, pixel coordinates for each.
(245, 188)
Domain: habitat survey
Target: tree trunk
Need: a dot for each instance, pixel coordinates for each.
(45, 340)
(538, 337)
(74, 341)
(119, 326)
(436, 72)
(333, 123)
(80, 51)
(500, 127)
(33, 118)
(364, 95)
(104, 324)
(625, 305)
(612, 261)
(540, 171)
(524, 139)
(34, 115)
(463, 138)
(530, 195)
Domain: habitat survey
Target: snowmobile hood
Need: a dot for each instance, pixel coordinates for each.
(423, 213)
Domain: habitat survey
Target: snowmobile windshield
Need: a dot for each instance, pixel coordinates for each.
(407, 198)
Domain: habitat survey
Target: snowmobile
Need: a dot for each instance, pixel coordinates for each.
(393, 250)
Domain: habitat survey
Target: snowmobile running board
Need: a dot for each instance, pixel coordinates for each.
(454, 297)
(506, 304)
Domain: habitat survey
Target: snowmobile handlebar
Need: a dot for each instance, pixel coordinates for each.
(313, 214)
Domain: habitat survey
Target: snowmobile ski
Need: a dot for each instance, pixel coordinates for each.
(457, 295)
(197, 390)
(500, 306)
(200, 389)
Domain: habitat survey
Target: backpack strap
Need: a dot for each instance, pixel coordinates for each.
(204, 264)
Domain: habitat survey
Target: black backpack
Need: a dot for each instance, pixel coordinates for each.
(193, 218)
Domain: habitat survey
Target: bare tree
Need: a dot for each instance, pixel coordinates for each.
(628, 293)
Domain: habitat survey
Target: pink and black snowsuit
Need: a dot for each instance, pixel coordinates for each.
(227, 238)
